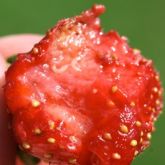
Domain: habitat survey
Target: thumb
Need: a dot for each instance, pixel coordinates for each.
(14, 44)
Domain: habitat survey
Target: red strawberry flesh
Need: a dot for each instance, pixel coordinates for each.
(81, 96)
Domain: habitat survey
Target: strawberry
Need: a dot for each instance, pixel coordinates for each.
(81, 96)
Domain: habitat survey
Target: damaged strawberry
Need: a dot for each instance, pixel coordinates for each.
(81, 96)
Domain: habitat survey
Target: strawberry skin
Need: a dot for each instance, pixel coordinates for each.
(81, 96)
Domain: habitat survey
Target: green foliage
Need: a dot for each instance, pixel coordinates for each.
(11, 59)
(27, 159)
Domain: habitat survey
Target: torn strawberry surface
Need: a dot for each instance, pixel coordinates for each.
(82, 96)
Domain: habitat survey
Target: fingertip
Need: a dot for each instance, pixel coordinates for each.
(2, 66)
(14, 44)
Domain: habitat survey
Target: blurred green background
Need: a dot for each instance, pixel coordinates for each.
(142, 21)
